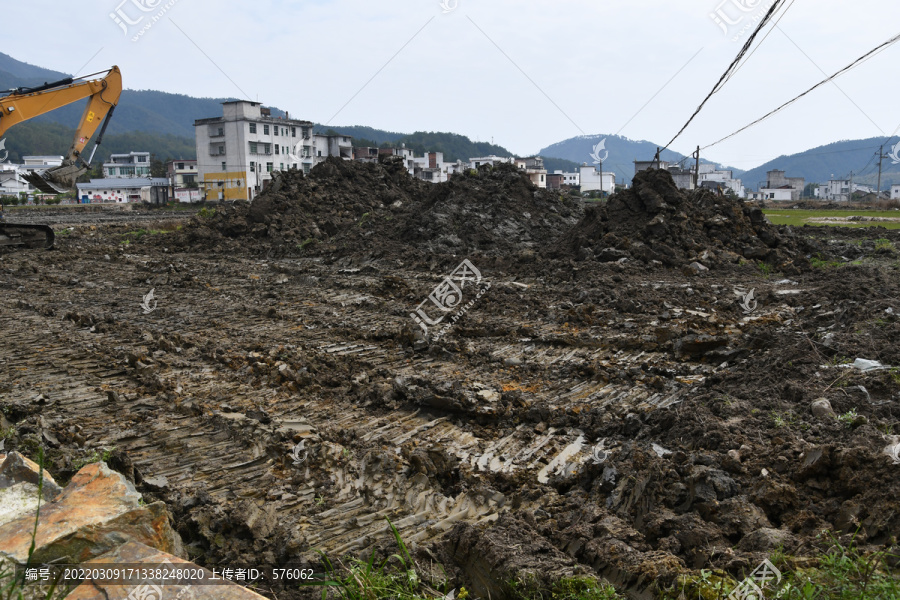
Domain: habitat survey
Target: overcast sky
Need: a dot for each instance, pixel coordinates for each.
(524, 74)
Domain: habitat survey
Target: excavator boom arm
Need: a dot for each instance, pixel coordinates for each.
(21, 105)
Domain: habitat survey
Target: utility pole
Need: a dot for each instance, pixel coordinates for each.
(880, 158)
(850, 196)
(601, 177)
(697, 168)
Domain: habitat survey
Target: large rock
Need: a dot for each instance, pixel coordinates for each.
(15, 469)
(18, 500)
(98, 511)
(135, 554)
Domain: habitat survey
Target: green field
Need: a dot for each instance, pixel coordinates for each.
(799, 218)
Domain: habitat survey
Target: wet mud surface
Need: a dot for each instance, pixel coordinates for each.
(609, 405)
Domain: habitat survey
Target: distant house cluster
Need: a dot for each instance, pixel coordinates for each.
(705, 175)
(127, 178)
(12, 176)
(238, 153)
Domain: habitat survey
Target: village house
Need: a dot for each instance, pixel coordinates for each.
(238, 152)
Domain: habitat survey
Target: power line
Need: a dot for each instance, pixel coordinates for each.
(763, 41)
(732, 67)
(852, 65)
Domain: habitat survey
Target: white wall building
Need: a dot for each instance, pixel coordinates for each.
(572, 179)
(895, 192)
(124, 189)
(431, 167)
(41, 161)
(592, 180)
(12, 183)
(780, 194)
(238, 152)
(492, 160)
(723, 177)
(533, 167)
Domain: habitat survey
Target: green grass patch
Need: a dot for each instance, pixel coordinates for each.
(306, 242)
(396, 578)
(840, 573)
(583, 588)
(133, 236)
(798, 218)
(817, 262)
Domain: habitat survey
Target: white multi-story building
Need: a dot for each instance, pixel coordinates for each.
(720, 178)
(133, 164)
(431, 167)
(593, 180)
(238, 152)
(533, 167)
(182, 175)
(895, 192)
(11, 181)
(837, 190)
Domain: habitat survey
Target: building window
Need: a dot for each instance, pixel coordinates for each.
(276, 131)
(180, 166)
(253, 148)
(267, 148)
(252, 167)
(265, 130)
(223, 167)
(269, 167)
(252, 127)
(281, 166)
(221, 131)
(293, 132)
(277, 149)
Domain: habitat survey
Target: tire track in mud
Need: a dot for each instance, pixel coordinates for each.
(338, 498)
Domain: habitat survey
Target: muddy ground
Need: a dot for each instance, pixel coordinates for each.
(606, 405)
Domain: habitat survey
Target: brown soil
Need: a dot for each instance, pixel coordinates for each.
(588, 414)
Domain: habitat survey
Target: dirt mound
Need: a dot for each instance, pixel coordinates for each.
(491, 211)
(352, 208)
(295, 210)
(656, 221)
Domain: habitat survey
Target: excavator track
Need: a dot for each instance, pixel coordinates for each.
(29, 236)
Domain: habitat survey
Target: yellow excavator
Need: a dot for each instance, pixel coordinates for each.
(21, 104)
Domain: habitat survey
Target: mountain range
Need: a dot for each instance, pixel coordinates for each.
(163, 124)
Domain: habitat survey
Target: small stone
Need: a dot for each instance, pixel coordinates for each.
(513, 362)
(695, 268)
(821, 408)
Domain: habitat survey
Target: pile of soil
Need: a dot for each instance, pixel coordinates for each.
(346, 208)
(295, 210)
(656, 221)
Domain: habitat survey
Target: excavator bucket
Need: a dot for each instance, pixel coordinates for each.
(56, 180)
